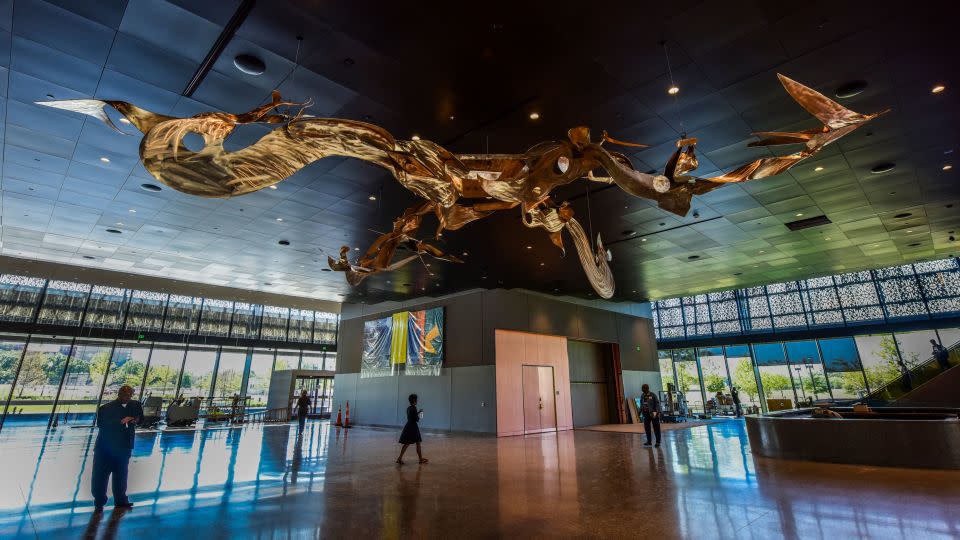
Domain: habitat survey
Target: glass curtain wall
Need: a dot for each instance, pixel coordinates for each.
(843, 369)
(83, 381)
(809, 380)
(776, 384)
(198, 369)
(740, 366)
(38, 382)
(230, 373)
(688, 378)
(258, 382)
(164, 372)
(713, 366)
(11, 350)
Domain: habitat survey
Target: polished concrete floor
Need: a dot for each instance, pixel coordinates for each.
(265, 483)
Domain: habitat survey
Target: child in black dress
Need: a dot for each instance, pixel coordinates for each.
(411, 432)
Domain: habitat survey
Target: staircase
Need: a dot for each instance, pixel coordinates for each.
(922, 378)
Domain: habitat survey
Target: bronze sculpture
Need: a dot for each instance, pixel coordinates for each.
(457, 188)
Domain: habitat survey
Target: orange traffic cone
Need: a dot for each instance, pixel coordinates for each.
(339, 417)
(346, 424)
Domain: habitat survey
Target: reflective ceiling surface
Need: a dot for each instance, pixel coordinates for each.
(468, 77)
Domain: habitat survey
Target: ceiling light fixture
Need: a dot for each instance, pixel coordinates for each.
(284, 242)
(673, 90)
(249, 64)
(529, 247)
(124, 121)
(947, 167)
(372, 197)
(643, 239)
(415, 138)
(903, 215)
(113, 231)
(273, 187)
(817, 169)
(132, 210)
(937, 89)
(534, 115)
(279, 219)
(105, 159)
(799, 214)
(150, 187)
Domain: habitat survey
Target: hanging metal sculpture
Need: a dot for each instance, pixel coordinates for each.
(458, 188)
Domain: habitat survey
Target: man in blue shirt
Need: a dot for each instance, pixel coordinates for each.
(117, 421)
(650, 410)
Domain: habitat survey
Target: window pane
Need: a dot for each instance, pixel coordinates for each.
(230, 372)
(146, 311)
(777, 387)
(312, 360)
(164, 370)
(741, 370)
(689, 383)
(198, 371)
(129, 363)
(287, 360)
(767, 354)
(246, 320)
(713, 366)
(64, 303)
(105, 308)
(301, 325)
(182, 312)
(274, 323)
(215, 320)
(915, 347)
(87, 369)
(325, 328)
(880, 360)
(10, 351)
(666, 369)
(40, 375)
(330, 361)
(261, 367)
(19, 296)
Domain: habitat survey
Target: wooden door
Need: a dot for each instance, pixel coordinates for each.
(548, 398)
(531, 399)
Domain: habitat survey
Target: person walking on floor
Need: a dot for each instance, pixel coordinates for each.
(735, 395)
(651, 413)
(941, 354)
(303, 407)
(411, 431)
(117, 421)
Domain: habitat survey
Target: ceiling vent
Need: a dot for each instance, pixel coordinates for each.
(801, 224)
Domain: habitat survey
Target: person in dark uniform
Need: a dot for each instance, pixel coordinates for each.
(303, 407)
(735, 395)
(941, 354)
(651, 413)
(411, 431)
(117, 421)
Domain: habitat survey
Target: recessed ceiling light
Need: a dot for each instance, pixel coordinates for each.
(529, 247)
(105, 159)
(124, 121)
(800, 214)
(903, 215)
(915, 244)
(883, 167)
(150, 187)
(273, 187)
(947, 167)
(465, 254)
(673, 90)
(738, 273)
(113, 231)
(693, 257)
(325, 270)
(534, 115)
(415, 138)
(850, 89)
(91, 257)
(372, 197)
(356, 249)
(937, 89)
(267, 283)
(452, 117)
(818, 169)
(827, 238)
(50, 96)
(132, 210)
(279, 219)
(541, 264)
(249, 64)
(284, 242)
(629, 232)
(120, 223)
(762, 251)
(643, 239)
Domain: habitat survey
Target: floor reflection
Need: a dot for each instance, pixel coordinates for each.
(270, 482)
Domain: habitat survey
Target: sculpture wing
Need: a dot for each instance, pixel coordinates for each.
(831, 113)
(90, 107)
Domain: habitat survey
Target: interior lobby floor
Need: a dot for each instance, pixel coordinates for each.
(259, 482)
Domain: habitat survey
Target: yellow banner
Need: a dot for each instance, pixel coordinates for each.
(398, 342)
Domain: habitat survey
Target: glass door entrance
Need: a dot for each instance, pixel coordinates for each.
(320, 392)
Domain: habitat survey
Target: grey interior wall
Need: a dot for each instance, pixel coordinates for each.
(472, 318)
(460, 399)
(589, 378)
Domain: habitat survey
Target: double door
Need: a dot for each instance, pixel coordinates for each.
(539, 399)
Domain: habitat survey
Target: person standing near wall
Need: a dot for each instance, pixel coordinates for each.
(117, 421)
(651, 413)
(735, 395)
(411, 431)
